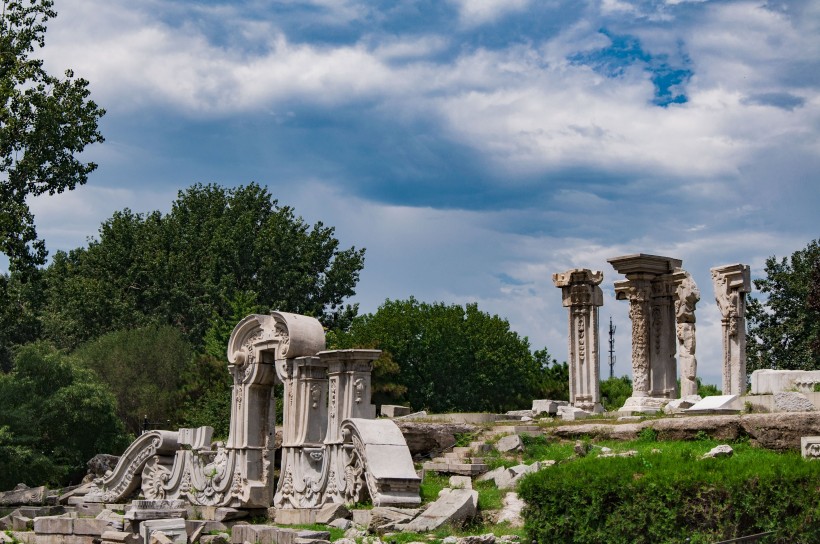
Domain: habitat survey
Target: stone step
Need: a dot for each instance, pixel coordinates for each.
(450, 457)
(517, 429)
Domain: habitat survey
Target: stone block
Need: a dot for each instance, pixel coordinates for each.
(50, 525)
(545, 406)
(724, 450)
(716, 403)
(5, 539)
(343, 524)
(86, 509)
(511, 442)
(790, 401)
(144, 515)
(453, 507)
(158, 537)
(27, 537)
(643, 405)
(571, 413)
(119, 537)
(361, 517)
(769, 381)
(95, 527)
(261, 534)
(331, 512)
(678, 405)
(6, 522)
(296, 516)
(392, 410)
(221, 538)
(21, 523)
(41, 511)
(460, 482)
(810, 447)
(386, 519)
(173, 528)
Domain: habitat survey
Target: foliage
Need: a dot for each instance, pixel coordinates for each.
(673, 495)
(784, 330)
(146, 370)
(216, 247)
(614, 392)
(45, 122)
(554, 376)
(707, 390)
(20, 297)
(449, 357)
(56, 416)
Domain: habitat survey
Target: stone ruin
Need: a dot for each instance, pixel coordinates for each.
(662, 299)
(333, 448)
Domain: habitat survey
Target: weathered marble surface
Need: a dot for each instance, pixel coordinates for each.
(732, 283)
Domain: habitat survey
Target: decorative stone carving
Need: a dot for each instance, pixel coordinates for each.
(687, 296)
(582, 295)
(651, 287)
(732, 282)
(333, 450)
(810, 447)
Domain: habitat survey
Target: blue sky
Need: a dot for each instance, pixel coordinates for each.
(474, 147)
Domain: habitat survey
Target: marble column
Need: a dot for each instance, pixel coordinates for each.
(582, 295)
(732, 282)
(650, 288)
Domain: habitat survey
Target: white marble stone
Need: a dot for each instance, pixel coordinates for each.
(643, 405)
(732, 282)
(582, 296)
(716, 403)
(769, 381)
(791, 401)
(453, 507)
(810, 447)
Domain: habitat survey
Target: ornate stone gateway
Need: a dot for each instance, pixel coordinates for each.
(333, 449)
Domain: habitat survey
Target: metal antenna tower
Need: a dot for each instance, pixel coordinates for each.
(611, 348)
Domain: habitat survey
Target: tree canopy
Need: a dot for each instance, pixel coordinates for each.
(55, 417)
(447, 357)
(186, 267)
(784, 328)
(45, 123)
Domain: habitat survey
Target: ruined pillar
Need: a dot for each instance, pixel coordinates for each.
(581, 294)
(650, 288)
(687, 296)
(732, 282)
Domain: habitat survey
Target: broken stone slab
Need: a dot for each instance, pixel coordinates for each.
(453, 507)
(546, 406)
(716, 404)
(117, 521)
(5, 539)
(341, 523)
(332, 512)
(627, 453)
(511, 510)
(21, 523)
(790, 401)
(460, 482)
(173, 528)
(95, 527)
(23, 495)
(572, 413)
(221, 513)
(521, 413)
(52, 525)
(385, 518)
(361, 517)
(724, 450)
(393, 410)
(769, 381)
(511, 442)
(158, 537)
(678, 405)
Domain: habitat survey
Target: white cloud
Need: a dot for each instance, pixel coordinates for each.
(478, 12)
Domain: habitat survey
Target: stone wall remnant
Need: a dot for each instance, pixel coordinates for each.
(582, 295)
(732, 282)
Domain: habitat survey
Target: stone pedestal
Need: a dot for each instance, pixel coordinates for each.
(650, 289)
(582, 296)
(732, 282)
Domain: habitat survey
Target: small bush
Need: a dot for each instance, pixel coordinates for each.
(672, 496)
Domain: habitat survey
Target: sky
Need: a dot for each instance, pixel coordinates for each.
(473, 147)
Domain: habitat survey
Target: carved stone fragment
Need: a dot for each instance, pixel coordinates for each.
(732, 282)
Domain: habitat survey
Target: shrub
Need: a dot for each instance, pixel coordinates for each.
(672, 496)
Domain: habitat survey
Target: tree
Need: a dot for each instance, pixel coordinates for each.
(448, 357)
(45, 122)
(147, 369)
(614, 392)
(55, 417)
(184, 268)
(784, 329)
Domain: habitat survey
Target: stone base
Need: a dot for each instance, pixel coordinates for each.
(296, 516)
(591, 407)
(643, 405)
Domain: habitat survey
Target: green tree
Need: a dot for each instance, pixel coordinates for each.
(184, 268)
(555, 376)
(614, 392)
(55, 417)
(45, 122)
(784, 329)
(448, 357)
(147, 369)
